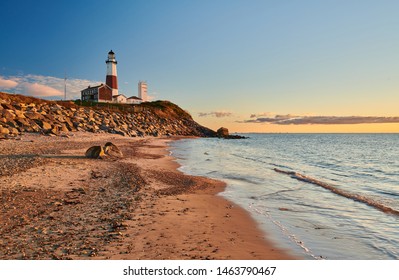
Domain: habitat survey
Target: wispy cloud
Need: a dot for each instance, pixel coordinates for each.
(217, 114)
(36, 89)
(301, 120)
(152, 96)
(45, 86)
(264, 114)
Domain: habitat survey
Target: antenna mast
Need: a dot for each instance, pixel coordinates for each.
(65, 88)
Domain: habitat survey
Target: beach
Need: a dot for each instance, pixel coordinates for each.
(321, 196)
(58, 204)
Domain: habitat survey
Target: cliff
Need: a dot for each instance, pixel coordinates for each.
(19, 114)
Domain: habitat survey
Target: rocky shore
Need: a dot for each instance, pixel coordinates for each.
(20, 114)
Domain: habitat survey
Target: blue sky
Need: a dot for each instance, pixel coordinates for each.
(221, 60)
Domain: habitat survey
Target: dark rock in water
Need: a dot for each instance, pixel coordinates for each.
(222, 132)
(112, 150)
(235, 137)
(95, 152)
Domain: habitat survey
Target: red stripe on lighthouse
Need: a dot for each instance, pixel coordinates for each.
(112, 81)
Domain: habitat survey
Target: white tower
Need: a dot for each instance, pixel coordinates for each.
(112, 77)
(143, 91)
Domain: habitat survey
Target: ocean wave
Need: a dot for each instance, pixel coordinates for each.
(242, 179)
(387, 193)
(286, 232)
(356, 197)
(253, 159)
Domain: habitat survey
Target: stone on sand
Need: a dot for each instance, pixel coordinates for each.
(95, 152)
(112, 150)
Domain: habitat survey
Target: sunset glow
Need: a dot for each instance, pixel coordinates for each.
(300, 58)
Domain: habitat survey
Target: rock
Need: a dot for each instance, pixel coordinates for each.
(112, 150)
(104, 127)
(64, 128)
(95, 152)
(45, 125)
(22, 122)
(8, 114)
(133, 133)
(52, 118)
(4, 130)
(54, 130)
(14, 131)
(19, 114)
(222, 132)
(33, 115)
(7, 106)
(118, 131)
(12, 123)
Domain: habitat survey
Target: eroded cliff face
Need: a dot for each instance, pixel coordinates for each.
(20, 114)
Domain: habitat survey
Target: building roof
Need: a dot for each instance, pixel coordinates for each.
(111, 52)
(90, 87)
(135, 97)
(119, 95)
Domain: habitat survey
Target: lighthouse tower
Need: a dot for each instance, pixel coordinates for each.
(112, 77)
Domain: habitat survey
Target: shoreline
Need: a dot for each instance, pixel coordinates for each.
(138, 207)
(213, 227)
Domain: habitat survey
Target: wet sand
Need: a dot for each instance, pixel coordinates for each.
(57, 204)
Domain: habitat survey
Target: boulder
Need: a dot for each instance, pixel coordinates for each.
(8, 114)
(22, 122)
(54, 130)
(118, 131)
(112, 150)
(45, 125)
(19, 114)
(95, 152)
(33, 115)
(7, 106)
(13, 131)
(4, 130)
(104, 127)
(222, 132)
(64, 128)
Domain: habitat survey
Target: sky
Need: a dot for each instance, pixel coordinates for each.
(248, 65)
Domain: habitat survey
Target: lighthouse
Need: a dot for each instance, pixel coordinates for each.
(112, 78)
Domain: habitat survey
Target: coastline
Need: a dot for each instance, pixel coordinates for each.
(195, 222)
(138, 207)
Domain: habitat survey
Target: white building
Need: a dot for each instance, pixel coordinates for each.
(120, 98)
(108, 92)
(134, 100)
(143, 91)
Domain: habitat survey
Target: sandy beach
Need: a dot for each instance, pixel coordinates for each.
(57, 204)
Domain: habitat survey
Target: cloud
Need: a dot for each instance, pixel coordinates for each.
(217, 114)
(301, 120)
(36, 89)
(152, 96)
(6, 84)
(265, 114)
(46, 86)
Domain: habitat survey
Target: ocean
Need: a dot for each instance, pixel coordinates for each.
(319, 196)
